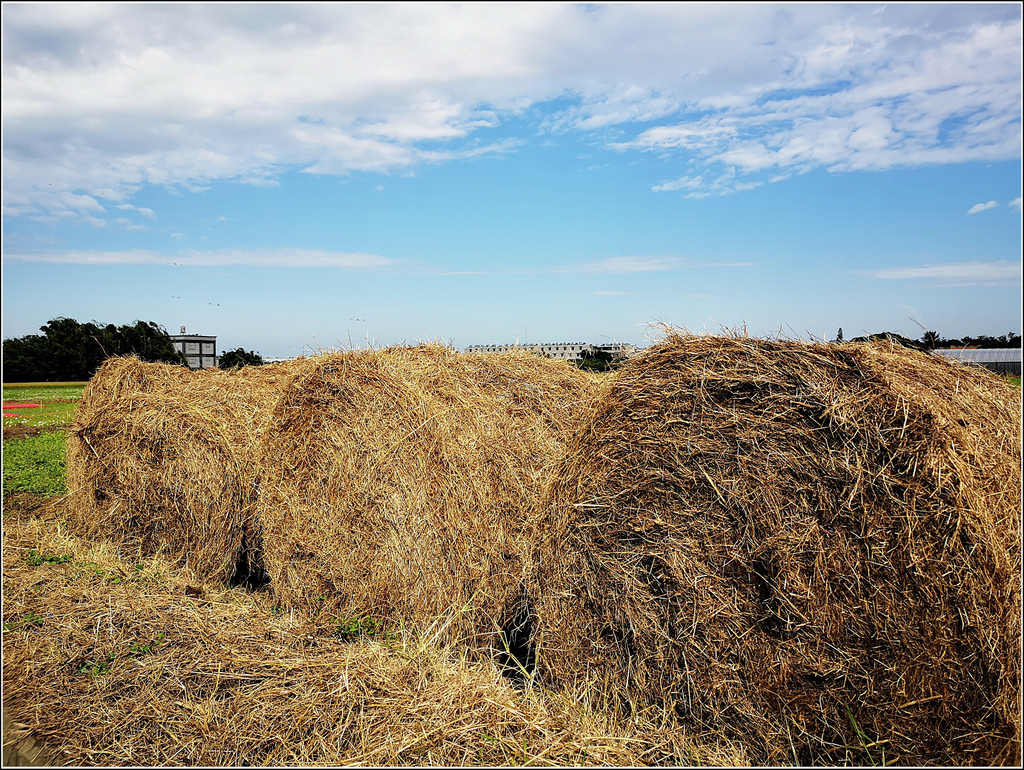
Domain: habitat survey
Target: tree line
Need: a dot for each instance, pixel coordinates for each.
(70, 351)
(931, 340)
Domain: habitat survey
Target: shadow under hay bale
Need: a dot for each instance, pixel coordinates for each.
(397, 483)
(811, 549)
(160, 456)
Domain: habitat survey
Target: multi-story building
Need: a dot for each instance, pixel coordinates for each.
(200, 349)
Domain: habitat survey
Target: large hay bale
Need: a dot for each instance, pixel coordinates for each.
(397, 483)
(788, 543)
(160, 456)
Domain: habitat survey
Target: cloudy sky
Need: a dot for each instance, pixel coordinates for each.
(302, 177)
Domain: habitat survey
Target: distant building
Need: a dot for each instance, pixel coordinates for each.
(618, 349)
(1000, 360)
(566, 351)
(200, 350)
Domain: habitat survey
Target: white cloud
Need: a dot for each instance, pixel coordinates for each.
(725, 183)
(608, 266)
(100, 101)
(683, 183)
(976, 273)
(81, 202)
(1015, 203)
(623, 265)
(982, 207)
(283, 257)
(868, 97)
(148, 213)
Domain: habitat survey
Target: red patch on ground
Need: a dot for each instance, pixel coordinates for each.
(20, 406)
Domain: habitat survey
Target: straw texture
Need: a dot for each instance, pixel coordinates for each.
(163, 457)
(396, 484)
(805, 548)
(112, 659)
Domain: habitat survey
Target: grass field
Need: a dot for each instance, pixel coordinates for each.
(58, 401)
(35, 464)
(45, 390)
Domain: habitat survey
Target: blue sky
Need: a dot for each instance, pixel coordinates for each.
(309, 176)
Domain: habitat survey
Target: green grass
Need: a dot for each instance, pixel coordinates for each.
(36, 464)
(59, 402)
(43, 391)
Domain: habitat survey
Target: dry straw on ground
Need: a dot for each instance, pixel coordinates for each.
(805, 548)
(115, 659)
(164, 457)
(396, 484)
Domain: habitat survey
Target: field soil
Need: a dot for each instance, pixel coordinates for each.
(23, 431)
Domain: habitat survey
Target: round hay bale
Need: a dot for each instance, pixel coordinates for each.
(397, 483)
(160, 456)
(812, 549)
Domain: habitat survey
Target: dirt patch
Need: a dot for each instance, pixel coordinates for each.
(25, 505)
(26, 431)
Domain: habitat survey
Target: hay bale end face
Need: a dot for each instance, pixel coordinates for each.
(805, 548)
(162, 457)
(396, 484)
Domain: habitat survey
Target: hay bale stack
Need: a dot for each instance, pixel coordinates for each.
(397, 483)
(760, 535)
(160, 456)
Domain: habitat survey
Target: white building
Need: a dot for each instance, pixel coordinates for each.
(566, 351)
(200, 349)
(999, 360)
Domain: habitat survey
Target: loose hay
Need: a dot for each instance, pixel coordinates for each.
(114, 660)
(396, 484)
(160, 456)
(811, 549)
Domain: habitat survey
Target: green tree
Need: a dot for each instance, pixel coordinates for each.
(598, 361)
(899, 339)
(931, 340)
(239, 357)
(23, 359)
(146, 340)
(68, 350)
